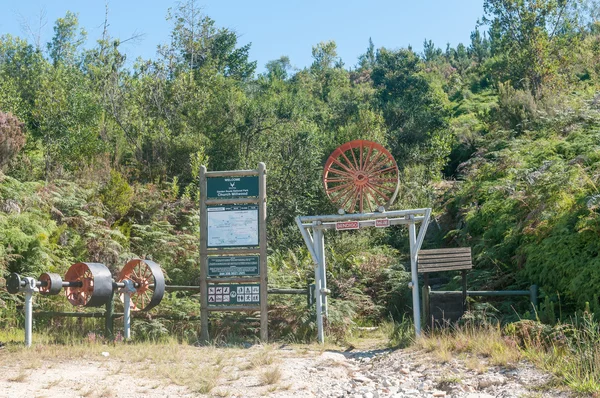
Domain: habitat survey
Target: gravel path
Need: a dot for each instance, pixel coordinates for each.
(304, 372)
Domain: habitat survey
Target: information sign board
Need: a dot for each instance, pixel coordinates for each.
(232, 226)
(344, 225)
(228, 294)
(232, 187)
(233, 266)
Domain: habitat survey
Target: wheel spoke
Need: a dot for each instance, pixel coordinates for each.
(368, 201)
(377, 172)
(375, 190)
(386, 188)
(377, 163)
(348, 199)
(366, 159)
(342, 166)
(343, 194)
(356, 165)
(369, 159)
(350, 164)
(337, 180)
(340, 172)
(338, 187)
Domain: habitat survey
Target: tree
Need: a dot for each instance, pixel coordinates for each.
(196, 42)
(414, 109)
(12, 137)
(532, 39)
(479, 50)
(68, 37)
(367, 60)
(278, 68)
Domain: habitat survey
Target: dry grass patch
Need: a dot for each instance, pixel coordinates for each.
(53, 383)
(19, 378)
(486, 342)
(475, 364)
(270, 376)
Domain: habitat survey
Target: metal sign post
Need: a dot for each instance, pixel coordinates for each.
(233, 244)
(316, 247)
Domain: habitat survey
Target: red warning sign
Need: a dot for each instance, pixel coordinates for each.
(382, 223)
(344, 225)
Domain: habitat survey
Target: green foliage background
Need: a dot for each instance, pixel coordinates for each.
(500, 136)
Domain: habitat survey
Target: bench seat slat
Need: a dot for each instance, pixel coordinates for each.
(443, 259)
(449, 259)
(446, 251)
(453, 268)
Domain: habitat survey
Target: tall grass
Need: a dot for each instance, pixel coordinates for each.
(485, 342)
(570, 351)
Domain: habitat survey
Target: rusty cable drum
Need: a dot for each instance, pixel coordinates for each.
(51, 284)
(149, 280)
(361, 175)
(91, 284)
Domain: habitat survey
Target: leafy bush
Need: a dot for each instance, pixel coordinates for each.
(12, 137)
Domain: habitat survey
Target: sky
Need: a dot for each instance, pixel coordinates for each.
(274, 27)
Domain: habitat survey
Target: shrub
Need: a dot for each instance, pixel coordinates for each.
(12, 137)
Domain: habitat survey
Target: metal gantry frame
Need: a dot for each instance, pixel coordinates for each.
(316, 247)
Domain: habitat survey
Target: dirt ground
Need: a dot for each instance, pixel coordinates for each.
(271, 370)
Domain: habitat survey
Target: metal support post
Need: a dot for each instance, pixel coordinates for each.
(533, 296)
(321, 252)
(203, 259)
(262, 242)
(108, 320)
(412, 237)
(127, 290)
(318, 284)
(29, 289)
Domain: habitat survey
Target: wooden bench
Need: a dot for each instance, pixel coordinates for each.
(437, 260)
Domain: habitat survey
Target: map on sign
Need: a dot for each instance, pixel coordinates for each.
(232, 226)
(221, 294)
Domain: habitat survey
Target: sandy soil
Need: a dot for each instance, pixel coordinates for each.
(300, 372)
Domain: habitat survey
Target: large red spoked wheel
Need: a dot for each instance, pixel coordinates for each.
(90, 284)
(149, 280)
(361, 175)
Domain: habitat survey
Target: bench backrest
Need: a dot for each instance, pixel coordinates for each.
(444, 260)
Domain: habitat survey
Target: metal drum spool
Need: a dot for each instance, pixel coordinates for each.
(13, 283)
(149, 281)
(90, 284)
(51, 284)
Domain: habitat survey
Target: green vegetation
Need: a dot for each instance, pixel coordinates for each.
(99, 161)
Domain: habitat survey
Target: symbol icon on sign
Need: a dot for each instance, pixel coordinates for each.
(248, 298)
(255, 289)
(219, 290)
(233, 294)
(211, 299)
(247, 290)
(211, 290)
(219, 299)
(240, 298)
(232, 184)
(240, 290)
(226, 298)
(255, 297)
(226, 290)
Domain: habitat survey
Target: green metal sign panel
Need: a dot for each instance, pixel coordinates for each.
(233, 266)
(231, 187)
(239, 294)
